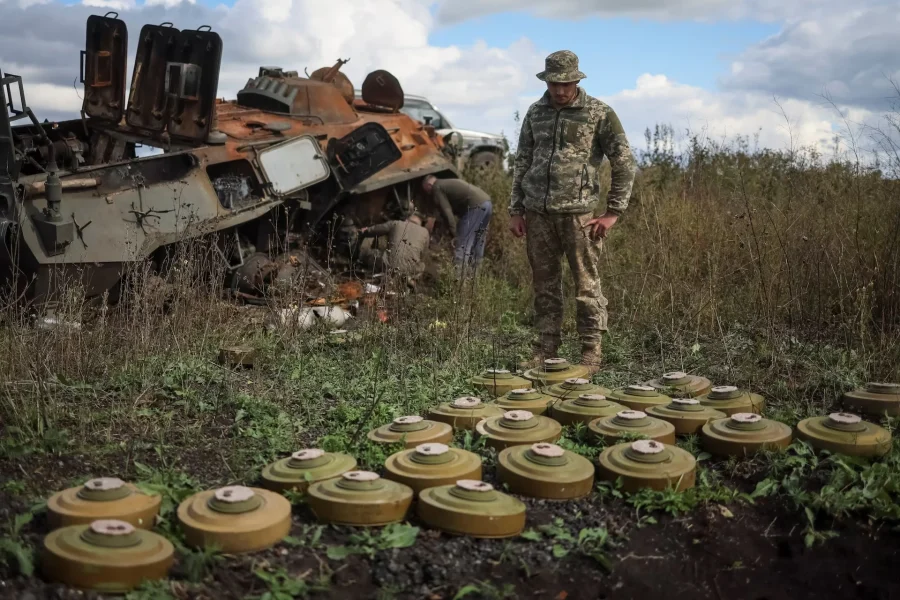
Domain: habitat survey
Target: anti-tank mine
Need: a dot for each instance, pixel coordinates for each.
(278, 170)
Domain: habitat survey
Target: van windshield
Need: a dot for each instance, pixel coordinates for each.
(417, 109)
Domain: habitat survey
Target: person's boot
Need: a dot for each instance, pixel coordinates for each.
(591, 357)
(538, 356)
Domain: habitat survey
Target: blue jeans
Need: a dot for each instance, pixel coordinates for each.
(471, 235)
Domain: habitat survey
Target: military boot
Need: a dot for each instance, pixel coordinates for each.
(591, 357)
(538, 356)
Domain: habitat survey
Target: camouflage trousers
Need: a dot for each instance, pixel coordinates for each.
(548, 239)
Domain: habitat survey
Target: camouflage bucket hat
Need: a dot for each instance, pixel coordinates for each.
(561, 67)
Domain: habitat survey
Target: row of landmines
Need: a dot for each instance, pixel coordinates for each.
(102, 538)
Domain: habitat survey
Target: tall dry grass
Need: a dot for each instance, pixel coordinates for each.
(720, 236)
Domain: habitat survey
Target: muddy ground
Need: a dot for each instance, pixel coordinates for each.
(743, 551)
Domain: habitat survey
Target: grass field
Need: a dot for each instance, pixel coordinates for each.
(764, 270)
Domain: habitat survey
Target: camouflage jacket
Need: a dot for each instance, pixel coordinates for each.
(558, 155)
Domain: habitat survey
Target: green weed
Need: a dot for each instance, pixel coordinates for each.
(14, 487)
(152, 590)
(308, 537)
(486, 590)
(833, 486)
(174, 486)
(708, 489)
(579, 439)
(366, 543)
(15, 552)
(593, 543)
(198, 564)
(282, 586)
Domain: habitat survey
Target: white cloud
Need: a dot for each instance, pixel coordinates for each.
(454, 11)
(849, 55)
(111, 4)
(168, 3)
(125, 4)
(722, 116)
(54, 98)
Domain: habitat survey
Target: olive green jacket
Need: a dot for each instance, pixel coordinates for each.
(559, 153)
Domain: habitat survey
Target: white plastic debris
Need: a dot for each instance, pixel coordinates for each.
(306, 317)
(334, 314)
(286, 318)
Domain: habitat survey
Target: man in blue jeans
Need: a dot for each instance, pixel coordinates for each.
(468, 211)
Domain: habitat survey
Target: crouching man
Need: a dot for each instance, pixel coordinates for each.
(407, 242)
(467, 209)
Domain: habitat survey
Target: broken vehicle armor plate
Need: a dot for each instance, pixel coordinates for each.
(228, 174)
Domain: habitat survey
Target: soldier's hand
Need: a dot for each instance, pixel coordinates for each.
(599, 227)
(517, 225)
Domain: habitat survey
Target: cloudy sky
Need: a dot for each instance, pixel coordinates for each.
(722, 68)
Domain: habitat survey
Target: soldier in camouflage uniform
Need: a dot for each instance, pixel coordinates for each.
(555, 193)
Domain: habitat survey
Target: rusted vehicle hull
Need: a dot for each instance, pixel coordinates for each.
(290, 158)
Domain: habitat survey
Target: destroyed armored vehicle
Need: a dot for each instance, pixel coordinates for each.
(282, 166)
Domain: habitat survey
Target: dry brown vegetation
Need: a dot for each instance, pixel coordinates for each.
(722, 237)
(773, 270)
